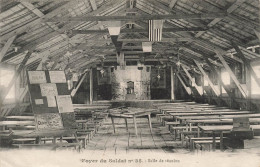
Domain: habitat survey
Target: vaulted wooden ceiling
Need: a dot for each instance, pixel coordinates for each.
(72, 34)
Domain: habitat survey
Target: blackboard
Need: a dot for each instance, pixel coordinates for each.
(44, 94)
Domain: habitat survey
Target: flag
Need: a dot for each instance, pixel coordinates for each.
(155, 30)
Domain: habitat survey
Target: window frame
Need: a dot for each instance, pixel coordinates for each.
(11, 68)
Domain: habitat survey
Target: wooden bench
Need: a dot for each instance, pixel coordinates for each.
(201, 145)
(82, 138)
(190, 140)
(169, 124)
(158, 117)
(180, 128)
(52, 146)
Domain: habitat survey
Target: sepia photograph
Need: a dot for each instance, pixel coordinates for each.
(138, 83)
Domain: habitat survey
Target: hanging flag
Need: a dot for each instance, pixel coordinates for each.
(121, 60)
(155, 30)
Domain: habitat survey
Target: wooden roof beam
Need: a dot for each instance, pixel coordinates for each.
(216, 92)
(93, 4)
(25, 27)
(188, 90)
(108, 4)
(138, 30)
(257, 33)
(172, 3)
(163, 40)
(247, 63)
(192, 80)
(37, 12)
(6, 47)
(232, 75)
(16, 75)
(74, 91)
(137, 17)
(216, 20)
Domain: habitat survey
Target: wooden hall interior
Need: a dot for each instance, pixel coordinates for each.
(130, 77)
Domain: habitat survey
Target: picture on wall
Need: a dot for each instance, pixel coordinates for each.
(158, 78)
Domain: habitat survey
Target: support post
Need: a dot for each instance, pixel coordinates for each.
(91, 86)
(216, 92)
(73, 92)
(232, 75)
(188, 90)
(192, 80)
(247, 63)
(172, 84)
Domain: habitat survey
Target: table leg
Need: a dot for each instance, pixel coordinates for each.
(175, 134)
(135, 125)
(221, 141)
(214, 141)
(54, 140)
(77, 140)
(113, 124)
(198, 131)
(126, 124)
(150, 122)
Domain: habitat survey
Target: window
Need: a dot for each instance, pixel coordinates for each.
(205, 81)
(225, 77)
(6, 75)
(254, 86)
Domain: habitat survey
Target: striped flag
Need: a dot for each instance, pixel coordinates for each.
(155, 30)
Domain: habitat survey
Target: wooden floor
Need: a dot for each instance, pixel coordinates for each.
(160, 140)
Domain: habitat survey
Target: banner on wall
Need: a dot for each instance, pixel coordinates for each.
(48, 121)
(64, 104)
(37, 77)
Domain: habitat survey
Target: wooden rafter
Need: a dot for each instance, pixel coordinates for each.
(74, 91)
(93, 4)
(232, 75)
(109, 4)
(27, 26)
(188, 90)
(192, 80)
(216, 20)
(216, 92)
(135, 18)
(16, 75)
(6, 47)
(257, 33)
(138, 30)
(247, 63)
(172, 3)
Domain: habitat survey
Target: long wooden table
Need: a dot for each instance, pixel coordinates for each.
(219, 121)
(132, 113)
(207, 113)
(183, 118)
(220, 129)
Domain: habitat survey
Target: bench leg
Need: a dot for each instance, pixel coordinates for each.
(214, 141)
(113, 124)
(221, 141)
(135, 126)
(126, 124)
(150, 123)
